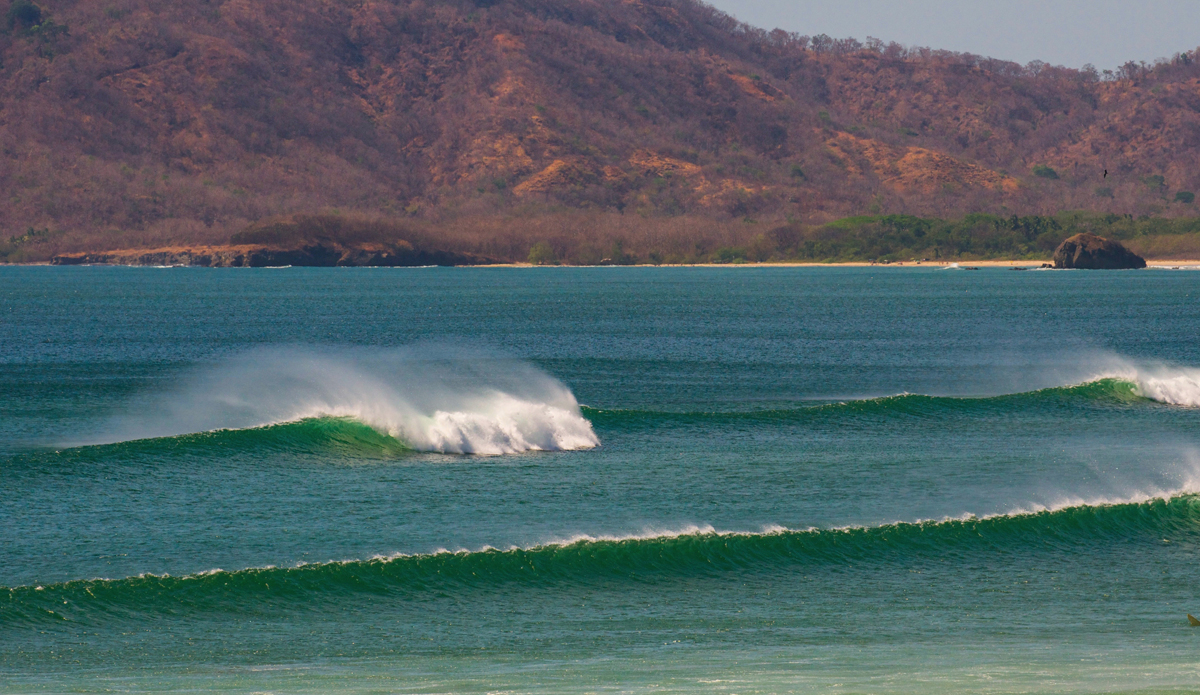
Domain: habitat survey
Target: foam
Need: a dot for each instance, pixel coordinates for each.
(1165, 383)
(1177, 386)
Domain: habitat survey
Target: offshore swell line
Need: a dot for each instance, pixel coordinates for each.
(693, 551)
(1181, 388)
(490, 421)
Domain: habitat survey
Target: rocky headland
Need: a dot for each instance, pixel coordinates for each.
(1091, 252)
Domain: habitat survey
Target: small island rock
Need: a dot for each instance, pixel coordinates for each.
(1095, 253)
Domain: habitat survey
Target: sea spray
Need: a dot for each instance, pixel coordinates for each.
(431, 398)
(1176, 386)
(1165, 382)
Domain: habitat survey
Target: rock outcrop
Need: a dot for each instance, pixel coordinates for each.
(1095, 253)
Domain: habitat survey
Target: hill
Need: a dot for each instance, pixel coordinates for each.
(591, 126)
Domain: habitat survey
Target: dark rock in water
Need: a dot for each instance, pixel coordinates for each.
(1095, 253)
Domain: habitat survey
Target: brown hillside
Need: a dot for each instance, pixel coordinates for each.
(142, 123)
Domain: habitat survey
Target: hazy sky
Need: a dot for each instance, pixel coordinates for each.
(1105, 33)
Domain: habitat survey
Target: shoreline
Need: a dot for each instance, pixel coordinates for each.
(1151, 263)
(376, 256)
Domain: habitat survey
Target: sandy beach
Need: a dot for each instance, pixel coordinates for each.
(1150, 262)
(220, 256)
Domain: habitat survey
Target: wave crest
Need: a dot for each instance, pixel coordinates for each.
(1178, 386)
(691, 551)
(440, 400)
(503, 424)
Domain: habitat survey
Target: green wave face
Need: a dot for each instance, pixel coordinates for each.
(348, 436)
(336, 435)
(1101, 392)
(595, 562)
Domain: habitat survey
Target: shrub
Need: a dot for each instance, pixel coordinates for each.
(729, 254)
(621, 256)
(541, 254)
(1045, 172)
(798, 172)
(1104, 192)
(1185, 197)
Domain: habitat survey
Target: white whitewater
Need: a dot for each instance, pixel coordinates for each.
(1176, 386)
(433, 399)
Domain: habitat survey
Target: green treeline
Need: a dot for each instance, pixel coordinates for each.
(631, 239)
(977, 236)
(888, 238)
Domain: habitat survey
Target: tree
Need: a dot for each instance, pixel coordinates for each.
(1131, 70)
(24, 14)
(541, 254)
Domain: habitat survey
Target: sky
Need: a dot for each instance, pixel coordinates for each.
(1105, 33)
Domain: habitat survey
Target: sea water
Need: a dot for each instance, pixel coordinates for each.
(570, 480)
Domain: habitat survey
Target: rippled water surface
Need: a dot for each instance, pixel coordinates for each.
(742, 480)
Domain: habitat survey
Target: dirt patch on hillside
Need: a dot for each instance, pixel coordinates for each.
(914, 168)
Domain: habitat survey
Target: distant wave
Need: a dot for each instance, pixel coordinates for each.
(428, 399)
(687, 552)
(319, 434)
(1179, 386)
(400, 401)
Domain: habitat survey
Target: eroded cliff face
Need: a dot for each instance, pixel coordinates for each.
(152, 122)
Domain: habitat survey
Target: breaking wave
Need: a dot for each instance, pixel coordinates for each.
(411, 400)
(1169, 386)
(1176, 386)
(430, 399)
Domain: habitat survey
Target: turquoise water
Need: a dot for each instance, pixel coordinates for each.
(860, 480)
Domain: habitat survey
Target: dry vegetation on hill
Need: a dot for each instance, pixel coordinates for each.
(589, 126)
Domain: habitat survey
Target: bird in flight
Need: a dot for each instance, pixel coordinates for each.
(1106, 173)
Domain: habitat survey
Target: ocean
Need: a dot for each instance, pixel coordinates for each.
(599, 480)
